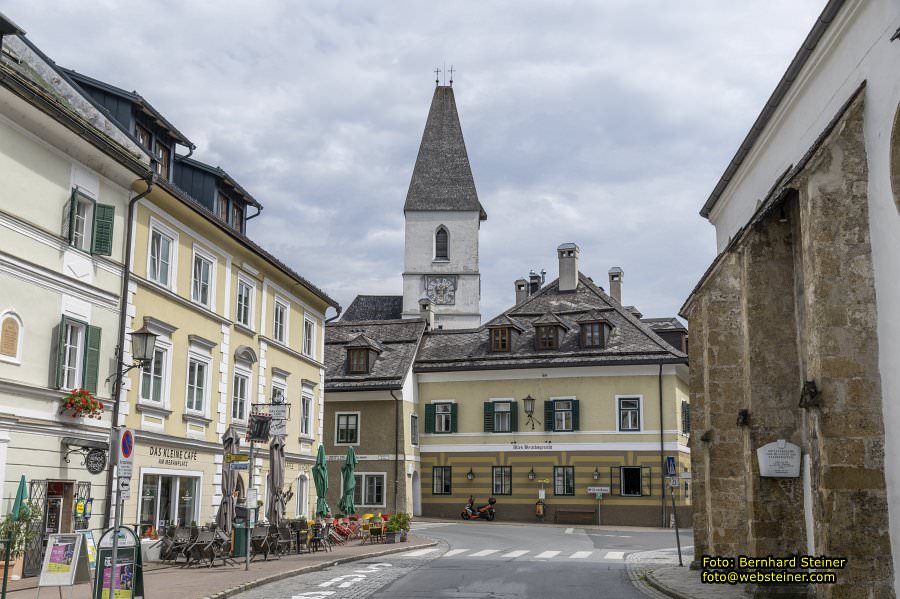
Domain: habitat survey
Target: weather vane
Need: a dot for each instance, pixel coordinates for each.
(437, 77)
(451, 75)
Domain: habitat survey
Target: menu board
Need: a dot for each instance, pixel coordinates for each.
(65, 562)
(90, 547)
(124, 580)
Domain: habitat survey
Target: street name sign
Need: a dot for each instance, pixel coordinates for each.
(595, 490)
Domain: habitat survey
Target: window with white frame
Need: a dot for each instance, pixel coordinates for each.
(414, 429)
(502, 480)
(239, 393)
(196, 384)
(306, 414)
(202, 278)
(160, 266)
(443, 417)
(309, 337)
(280, 322)
(369, 489)
(82, 216)
(562, 415)
(441, 480)
(153, 376)
(279, 391)
(244, 314)
(502, 417)
(72, 354)
(347, 429)
(564, 480)
(629, 414)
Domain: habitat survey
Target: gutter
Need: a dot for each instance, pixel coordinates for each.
(396, 452)
(123, 313)
(662, 455)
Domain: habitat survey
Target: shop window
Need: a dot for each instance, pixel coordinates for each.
(168, 500)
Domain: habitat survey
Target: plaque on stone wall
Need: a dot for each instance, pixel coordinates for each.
(779, 459)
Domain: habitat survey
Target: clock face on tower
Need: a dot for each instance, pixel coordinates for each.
(441, 290)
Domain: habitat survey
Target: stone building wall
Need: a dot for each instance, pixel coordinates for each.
(792, 299)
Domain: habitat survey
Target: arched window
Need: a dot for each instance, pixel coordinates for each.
(10, 337)
(302, 495)
(441, 244)
(895, 159)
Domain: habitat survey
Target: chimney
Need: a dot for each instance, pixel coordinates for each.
(427, 310)
(534, 282)
(568, 266)
(616, 275)
(521, 291)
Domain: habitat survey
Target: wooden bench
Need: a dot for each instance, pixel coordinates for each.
(575, 516)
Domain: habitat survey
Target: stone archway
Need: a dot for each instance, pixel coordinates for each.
(895, 159)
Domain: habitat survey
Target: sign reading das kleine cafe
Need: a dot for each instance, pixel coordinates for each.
(173, 457)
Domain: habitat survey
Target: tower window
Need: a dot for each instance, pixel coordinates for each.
(441, 244)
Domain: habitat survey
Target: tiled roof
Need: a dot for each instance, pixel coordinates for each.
(630, 341)
(664, 324)
(374, 307)
(397, 339)
(442, 178)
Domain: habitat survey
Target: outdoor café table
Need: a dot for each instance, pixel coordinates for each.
(302, 536)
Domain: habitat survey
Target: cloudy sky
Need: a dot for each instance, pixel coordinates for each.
(606, 123)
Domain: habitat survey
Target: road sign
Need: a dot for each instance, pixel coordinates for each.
(125, 484)
(124, 452)
(236, 457)
(239, 466)
(595, 490)
(670, 465)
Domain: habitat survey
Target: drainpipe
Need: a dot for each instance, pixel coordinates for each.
(336, 316)
(396, 452)
(662, 454)
(117, 381)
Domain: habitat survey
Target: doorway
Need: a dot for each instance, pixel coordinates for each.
(417, 494)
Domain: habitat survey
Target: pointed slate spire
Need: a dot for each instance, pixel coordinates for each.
(442, 178)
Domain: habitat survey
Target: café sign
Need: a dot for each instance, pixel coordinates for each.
(173, 457)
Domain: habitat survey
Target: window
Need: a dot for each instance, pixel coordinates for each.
(502, 476)
(309, 337)
(222, 207)
(279, 324)
(631, 481)
(347, 429)
(685, 418)
(500, 339)
(143, 136)
(10, 337)
(414, 429)
(562, 415)
(306, 415)
(196, 385)
(564, 480)
(237, 217)
(547, 337)
(168, 500)
(152, 376)
(443, 420)
(163, 158)
(359, 360)
(369, 490)
(279, 392)
(441, 244)
(592, 334)
(89, 225)
(629, 414)
(239, 396)
(440, 480)
(202, 279)
(81, 223)
(244, 314)
(160, 266)
(501, 417)
(73, 354)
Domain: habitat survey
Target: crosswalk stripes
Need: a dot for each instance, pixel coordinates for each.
(484, 552)
(614, 555)
(547, 554)
(581, 555)
(419, 552)
(570, 531)
(453, 552)
(517, 553)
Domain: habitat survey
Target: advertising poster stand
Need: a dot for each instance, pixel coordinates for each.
(129, 575)
(65, 562)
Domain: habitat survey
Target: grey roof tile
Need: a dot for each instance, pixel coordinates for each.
(374, 307)
(397, 340)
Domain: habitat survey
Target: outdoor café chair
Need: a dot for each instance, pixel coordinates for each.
(285, 539)
(199, 550)
(259, 542)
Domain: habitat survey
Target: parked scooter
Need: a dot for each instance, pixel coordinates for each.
(484, 512)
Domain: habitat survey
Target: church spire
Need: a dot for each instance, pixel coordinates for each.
(442, 178)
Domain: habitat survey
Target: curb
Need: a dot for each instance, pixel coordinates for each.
(308, 569)
(657, 585)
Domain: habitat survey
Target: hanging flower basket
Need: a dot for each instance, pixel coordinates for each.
(82, 404)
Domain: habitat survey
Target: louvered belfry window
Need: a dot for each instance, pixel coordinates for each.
(441, 244)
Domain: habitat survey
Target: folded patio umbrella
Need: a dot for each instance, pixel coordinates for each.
(320, 478)
(347, 471)
(20, 504)
(275, 513)
(225, 515)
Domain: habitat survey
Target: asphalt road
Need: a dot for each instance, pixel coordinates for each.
(488, 560)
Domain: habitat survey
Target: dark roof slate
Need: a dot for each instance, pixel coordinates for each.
(630, 340)
(664, 324)
(374, 307)
(442, 177)
(397, 339)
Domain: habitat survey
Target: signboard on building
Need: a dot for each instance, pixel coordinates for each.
(259, 428)
(595, 490)
(779, 459)
(65, 561)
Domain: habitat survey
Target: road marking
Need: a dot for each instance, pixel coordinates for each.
(547, 554)
(419, 552)
(570, 531)
(581, 555)
(484, 552)
(614, 555)
(518, 553)
(453, 552)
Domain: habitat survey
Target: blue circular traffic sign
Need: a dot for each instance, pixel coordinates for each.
(127, 444)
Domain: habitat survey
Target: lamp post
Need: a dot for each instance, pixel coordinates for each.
(529, 410)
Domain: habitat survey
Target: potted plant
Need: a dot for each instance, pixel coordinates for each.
(20, 533)
(82, 404)
(399, 525)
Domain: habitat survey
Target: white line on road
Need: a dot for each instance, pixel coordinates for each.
(570, 531)
(484, 552)
(419, 552)
(614, 555)
(581, 555)
(547, 554)
(518, 553)
(453, 552)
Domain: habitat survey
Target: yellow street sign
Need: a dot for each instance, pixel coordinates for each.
(236, 457)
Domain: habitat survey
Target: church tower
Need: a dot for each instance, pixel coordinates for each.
(443, 218)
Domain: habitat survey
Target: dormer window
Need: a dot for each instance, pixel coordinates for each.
(163, 159)
(222, 207)
(237, 217)
(358, 361)
(594, 333)
(547, 337)
(441, 244)
(500, 339)
(143, 136)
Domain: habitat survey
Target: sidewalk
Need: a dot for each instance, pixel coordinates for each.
(657, 574)
(224, 581)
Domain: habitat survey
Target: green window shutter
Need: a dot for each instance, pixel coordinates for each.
(548, 415)
(70, 234)
(56, 353)
(576, 421)
(92, 359)
(453, 417)
(429, 418)
(488, 416)
(104, 215)
(514, 416)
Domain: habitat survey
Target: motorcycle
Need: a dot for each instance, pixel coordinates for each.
(484, 512)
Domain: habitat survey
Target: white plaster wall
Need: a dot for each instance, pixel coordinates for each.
(855, 49)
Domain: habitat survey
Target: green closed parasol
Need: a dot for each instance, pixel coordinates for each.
(347, 470)
(320, 478)
(20, 505)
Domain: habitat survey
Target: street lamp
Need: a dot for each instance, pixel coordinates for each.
(596, 474)
(470, 475)
(529, 410)
(531, 474)
(143, 342)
